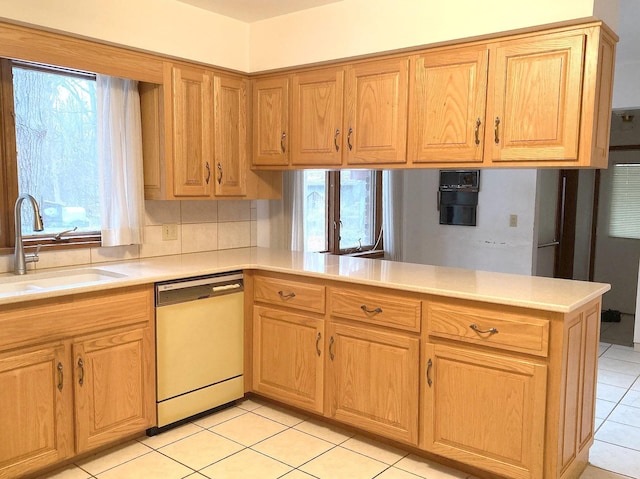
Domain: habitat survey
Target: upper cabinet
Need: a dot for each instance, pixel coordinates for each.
(191, 100)
(195, 138)
(532, 100)
(230, 119)
(271, 121)
(376, 112)
(448, 105)
(316, 117)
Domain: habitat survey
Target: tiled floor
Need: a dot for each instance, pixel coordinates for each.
(256, 440)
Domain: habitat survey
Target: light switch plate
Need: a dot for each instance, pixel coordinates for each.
(169, 232)
(513, 221)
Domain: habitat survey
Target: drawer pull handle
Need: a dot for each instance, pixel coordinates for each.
(331, 341)
(60, 377)
(286, 296)
(371, 311)
(483, 331)
(429, 366)
(81, 366)
(318, 338)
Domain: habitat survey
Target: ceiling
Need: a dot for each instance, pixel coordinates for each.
(254, 10)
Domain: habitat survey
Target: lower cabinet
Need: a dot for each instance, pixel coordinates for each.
(373, 380)
(288, 355)
(111, 384)
(79, 375)
(36, 403)
(486, 410)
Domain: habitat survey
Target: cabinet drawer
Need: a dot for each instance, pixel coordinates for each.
(373, 308)
(504, 329)
(293, 294)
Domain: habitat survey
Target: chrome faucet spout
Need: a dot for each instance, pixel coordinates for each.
(20, 258)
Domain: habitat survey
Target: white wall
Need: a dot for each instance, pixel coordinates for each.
(359, 27)
(164, 26)
(338, 30)
(491, 245)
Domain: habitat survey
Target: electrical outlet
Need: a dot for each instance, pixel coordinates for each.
(513, 221)
(169, 232)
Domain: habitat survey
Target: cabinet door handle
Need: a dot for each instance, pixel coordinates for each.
(429, 366)
(371, 311)
(477, 131)
(335, 139)
(483, 331)
(81, 366)
(496, 130)
(331, 341)
(318, 338)
(60, 377)
(349, 139)
(208, 172)
(282, 138)
(286, 296)
(219, 173)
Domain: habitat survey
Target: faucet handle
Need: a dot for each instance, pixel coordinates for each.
(33, 257)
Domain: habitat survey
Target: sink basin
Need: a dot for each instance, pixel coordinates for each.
(55, 279)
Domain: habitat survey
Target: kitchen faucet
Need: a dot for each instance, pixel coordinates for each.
(20, 258)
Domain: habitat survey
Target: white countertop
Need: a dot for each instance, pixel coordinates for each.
(516, 290)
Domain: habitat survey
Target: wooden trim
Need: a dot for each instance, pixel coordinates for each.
(8, 155)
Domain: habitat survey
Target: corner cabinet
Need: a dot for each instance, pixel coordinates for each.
(271, 121)
(76, 374)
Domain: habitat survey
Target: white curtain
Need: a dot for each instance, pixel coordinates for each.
(392, 214)
(293, 205)
(120, 159)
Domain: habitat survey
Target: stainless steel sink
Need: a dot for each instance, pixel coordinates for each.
(56, 279)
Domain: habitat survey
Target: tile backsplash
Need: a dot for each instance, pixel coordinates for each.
(201, 226)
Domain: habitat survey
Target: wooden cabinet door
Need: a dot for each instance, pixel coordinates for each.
(230, 117)
(271, 121)
(192, 132)
(316, 117)
(36, 403)
(446, 121)
(535, 95)
(114, 384)
(376, 112)
(372, 380)
(485, 410)
(288, 357)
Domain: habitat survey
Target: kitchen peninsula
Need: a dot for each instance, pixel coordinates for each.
(491, 371)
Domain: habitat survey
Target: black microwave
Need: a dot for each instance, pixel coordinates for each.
(458, 197)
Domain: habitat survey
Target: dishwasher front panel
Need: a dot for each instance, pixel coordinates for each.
(199, 344)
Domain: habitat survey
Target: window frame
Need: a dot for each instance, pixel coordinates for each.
(9, 169)
(334, 224)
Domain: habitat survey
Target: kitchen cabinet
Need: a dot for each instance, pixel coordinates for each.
(37, 408)
(376, 108)
(288, 357)
(191, 100)
(271, 121)
(75, 374)
(111, 385)
(372, 367)
(230, 119)
(316, 117)
(288, 340)
(447, 117)
(535, 100)
(487, 410)
(373, 380)
(195, 138)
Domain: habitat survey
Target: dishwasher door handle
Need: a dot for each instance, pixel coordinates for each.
(226, 287)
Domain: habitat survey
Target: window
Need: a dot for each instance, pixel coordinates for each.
(55, 158)
(342, 211)
(625, 201)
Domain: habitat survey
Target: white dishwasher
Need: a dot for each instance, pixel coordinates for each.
(199, 345)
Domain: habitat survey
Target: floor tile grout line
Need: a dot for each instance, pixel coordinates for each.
(618, 445)
(119, 464)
